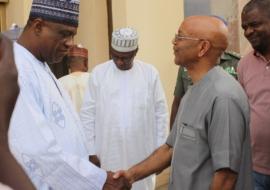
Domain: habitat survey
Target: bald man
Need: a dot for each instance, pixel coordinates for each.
(209, 146)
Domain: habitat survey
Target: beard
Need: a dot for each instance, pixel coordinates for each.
(261, 48)
(260, 44)
(56, 60)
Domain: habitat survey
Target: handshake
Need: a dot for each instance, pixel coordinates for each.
(123, 179)
(118, 181)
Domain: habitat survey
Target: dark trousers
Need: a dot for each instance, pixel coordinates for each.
(262, 181)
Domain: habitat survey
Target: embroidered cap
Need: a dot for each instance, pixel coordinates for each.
(124, 40)
(78, 51)
(60, 11)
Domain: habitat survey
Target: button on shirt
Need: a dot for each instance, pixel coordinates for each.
(210, 133)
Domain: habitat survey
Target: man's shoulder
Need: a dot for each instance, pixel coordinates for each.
(26, 64)
(85, 74)
(146, 66)
(21, 51)
(225, 85)
(23, 58)
(249, 55)
(64, 78)
(101, 66)
(247, 59)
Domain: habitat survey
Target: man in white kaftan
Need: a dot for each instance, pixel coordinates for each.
(125, 111)
(45, 134)
(76, 82)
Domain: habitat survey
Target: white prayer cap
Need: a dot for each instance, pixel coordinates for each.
(124, 40)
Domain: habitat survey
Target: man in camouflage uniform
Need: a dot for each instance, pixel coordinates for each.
(228, 61)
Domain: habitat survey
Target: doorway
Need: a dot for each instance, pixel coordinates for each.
(3, 15)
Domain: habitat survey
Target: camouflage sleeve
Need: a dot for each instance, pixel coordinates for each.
(179, 87)
(229, 61)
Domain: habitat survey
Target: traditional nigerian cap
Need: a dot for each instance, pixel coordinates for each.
(14, 32)
(78, 51)
(60, 11)
(124, 40)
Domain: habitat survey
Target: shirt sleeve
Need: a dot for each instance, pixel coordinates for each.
(226, 134)
(161, 112)
(35, 146)
(88, 114)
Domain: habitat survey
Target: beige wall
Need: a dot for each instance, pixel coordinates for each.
(93, 30)
(2, 17)
(119, 9)
(18, 12)
(156, 21)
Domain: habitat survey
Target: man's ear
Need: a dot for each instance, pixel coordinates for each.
(204, 47)
(38, 25)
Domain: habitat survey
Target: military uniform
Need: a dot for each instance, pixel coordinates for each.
(228, 61)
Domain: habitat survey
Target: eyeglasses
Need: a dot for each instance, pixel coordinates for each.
(178, 37)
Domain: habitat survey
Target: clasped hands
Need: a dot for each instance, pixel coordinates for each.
(120, 180)
(117, 181)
